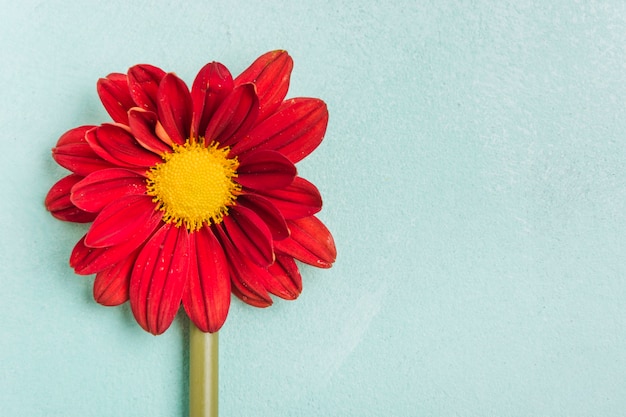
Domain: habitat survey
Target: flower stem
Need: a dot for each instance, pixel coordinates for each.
(203, 373)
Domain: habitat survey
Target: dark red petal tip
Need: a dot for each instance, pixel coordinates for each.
(212, 84)
(110, 287)
(115, 96)
(59, 203)
(270, 73)
(143, 81)
(74, 153)
(310, 242)
(300, 199)
(285, 281)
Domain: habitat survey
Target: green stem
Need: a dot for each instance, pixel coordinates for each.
(203, 373)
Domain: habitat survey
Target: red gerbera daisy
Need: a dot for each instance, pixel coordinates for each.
(194, 194)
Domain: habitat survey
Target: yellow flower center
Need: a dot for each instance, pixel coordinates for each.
(194, 184)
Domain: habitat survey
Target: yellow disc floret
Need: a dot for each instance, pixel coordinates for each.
(194, 184)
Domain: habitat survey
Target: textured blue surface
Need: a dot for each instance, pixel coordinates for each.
(473, 176)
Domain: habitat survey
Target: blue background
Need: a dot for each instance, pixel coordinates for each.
(473, 177)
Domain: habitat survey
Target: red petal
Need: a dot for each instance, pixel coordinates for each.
(115, 96)
(234, 117)
(310, 242)
(212, 84)
(158, 278)
(265, 170)
(246, 277)
(82, 255)
(74, 153)
(300, 199)
(75, 135)
(143, 81)
(86, 260)
(270, 73)
(250, 235)
(119, 147)
(207, 295)
(143, 125)
(286, 280)
(120, 220)
(59, 204)
(295, 130)
(105, 186)
(79, 158)
(249, 298)
(111, 286)
(174, 108)
(267, 212)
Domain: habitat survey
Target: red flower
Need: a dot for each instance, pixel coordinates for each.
(194, 194)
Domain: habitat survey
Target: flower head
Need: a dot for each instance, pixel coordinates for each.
(194, 194)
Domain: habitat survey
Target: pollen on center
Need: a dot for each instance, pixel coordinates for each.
(194, 185)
